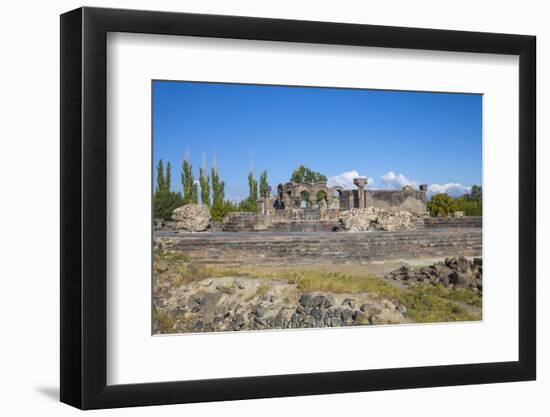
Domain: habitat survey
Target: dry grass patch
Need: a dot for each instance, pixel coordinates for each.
(165, 324)
(424, 303)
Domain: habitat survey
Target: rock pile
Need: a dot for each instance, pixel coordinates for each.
(230, 304)
(454, 272)
(373, 218)
(191, 218)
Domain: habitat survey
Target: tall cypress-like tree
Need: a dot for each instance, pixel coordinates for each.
(190, 189)
(264, 186)
(204, 181)
(218, 187)
(164, 201)
(168, 177)
(252, 192)
(160, 176)
(219, 207)
(195, 193)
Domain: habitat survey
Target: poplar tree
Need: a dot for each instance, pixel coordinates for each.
(218, 188)
(264, 186)
(160, 176)
(168, 177)
(204, 180)
(165, 201)
(252, 192)
(190, 188)
(219, 207)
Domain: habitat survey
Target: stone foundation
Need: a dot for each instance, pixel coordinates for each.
(326, 220)
(452, 222)
(304, 248)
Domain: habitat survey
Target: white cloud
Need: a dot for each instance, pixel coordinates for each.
(345, 180)
(454, 189)
(392, 180)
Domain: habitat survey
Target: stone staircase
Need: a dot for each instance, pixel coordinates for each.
(453, 222)
(301, 226)
(279, 248)
(240, 222)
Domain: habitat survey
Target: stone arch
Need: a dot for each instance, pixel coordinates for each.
(336, 191)
(304, 198)
(321, 195)
(304, 187)
(335, 199)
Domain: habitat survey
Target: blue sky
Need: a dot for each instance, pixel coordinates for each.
(394, 138)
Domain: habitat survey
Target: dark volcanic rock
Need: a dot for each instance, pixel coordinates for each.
(456, 271)
(306, 300)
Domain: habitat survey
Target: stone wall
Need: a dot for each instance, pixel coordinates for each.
(410, 200)
(283, 248)
(296, 220)
(328, 220)
(454, 222)
(413, 201)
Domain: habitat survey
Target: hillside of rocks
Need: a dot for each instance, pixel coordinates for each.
(455, 271)
(231, 303)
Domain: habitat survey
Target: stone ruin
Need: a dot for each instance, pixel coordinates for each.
(319, 195)
(315, 207)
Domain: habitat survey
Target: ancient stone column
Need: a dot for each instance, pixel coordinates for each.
(361, 183)
(423, 196)
(267, 200)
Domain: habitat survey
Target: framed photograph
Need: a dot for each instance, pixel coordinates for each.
(258, 208)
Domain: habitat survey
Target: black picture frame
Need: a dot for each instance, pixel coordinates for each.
(84, 207)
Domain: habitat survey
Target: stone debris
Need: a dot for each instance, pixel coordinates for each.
(231, 304)
(373, 218)
(453, 272)
(191, 218)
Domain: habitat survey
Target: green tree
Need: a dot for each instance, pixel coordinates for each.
(220, 208)
(439, 205)
(304, 174)
(160, 175)
(467, 205)
(190, 188)
(204, 181)
(165, 201)
(218, 187)
(250, 204)
(443, 205)
(264, 186)
(168, 177)
(476, 194)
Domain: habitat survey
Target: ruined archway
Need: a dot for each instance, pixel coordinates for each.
(304, 199)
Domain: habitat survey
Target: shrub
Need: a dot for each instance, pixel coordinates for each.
(164, 202)
(443, 205)
(221, 209)
(439, 205)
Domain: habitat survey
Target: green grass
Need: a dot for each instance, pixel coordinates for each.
(425, 304)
